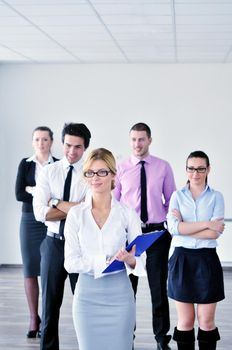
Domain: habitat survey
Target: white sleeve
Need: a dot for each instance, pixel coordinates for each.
(75, 260)
(41, 196)
(134, 229)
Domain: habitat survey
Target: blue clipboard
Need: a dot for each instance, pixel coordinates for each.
(142, 242)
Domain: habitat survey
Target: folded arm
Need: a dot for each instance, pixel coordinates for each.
(202, 229)
(61, 210)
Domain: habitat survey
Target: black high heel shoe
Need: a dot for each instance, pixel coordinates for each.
(35, 332)
(32, 334)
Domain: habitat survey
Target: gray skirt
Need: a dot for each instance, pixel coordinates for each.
(32, 233)
(104, 312)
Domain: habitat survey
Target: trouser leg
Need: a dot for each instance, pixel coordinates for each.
(207, 340)
(134, 282)
(185, 339)
(157, 272)
(73, 277)
(53, 277)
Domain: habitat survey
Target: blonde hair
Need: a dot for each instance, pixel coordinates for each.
(101, 154)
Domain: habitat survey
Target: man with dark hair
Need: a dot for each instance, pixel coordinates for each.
(79, 130)
(59, 187)
(146, 183)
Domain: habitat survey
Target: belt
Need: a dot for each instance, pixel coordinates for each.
(55, 235)
(154, 227)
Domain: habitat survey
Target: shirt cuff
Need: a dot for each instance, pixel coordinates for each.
(99, 264)
(139, 269)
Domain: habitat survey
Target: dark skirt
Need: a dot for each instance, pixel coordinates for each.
(195, 276)
(32, 233)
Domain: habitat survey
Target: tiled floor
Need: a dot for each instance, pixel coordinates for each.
(14, 316)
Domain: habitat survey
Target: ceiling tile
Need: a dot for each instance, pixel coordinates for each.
(44, 2)
(54, 10)
(204, 20)
(219, 8)
(64, 20)
(143, 8)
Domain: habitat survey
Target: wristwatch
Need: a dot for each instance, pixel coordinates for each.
(54, 202)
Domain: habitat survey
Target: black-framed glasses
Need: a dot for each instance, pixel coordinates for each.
(100, 173)
(191, 169)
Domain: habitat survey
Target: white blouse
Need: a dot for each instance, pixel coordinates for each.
(87, 247)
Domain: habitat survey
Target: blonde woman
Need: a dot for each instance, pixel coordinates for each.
(96, 233)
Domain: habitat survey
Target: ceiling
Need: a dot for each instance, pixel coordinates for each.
(116, 31)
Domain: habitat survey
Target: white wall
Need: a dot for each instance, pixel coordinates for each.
(188, 107)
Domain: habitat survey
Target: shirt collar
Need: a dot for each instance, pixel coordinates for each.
(88, 200)
(186, 188)
(77, 166)
(33, 159)
(136, 160)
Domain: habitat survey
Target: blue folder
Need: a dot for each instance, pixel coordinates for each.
(142, 242)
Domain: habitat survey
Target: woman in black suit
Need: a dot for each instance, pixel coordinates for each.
(32, 232)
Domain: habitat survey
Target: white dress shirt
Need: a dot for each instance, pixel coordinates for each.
(38, 168)
(38, 165)
(50, 184)
(87, 247)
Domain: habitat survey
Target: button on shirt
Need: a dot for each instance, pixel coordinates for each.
(208, 206)
(160, 186)
(87, 246)
(50, 184)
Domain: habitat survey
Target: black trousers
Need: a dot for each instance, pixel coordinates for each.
(157, 273)
(53, 276)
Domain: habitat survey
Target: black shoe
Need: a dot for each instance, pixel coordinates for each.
(32, 334)
(36, 332)
(163, 347)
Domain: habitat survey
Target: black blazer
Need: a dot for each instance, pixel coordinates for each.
(26, 177)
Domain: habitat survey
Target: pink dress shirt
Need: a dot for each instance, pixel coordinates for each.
(160, 186)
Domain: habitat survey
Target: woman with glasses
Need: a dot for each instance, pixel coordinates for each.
(96, 232)
(195, 220)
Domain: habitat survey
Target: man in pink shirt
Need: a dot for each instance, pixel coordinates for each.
(159, 187)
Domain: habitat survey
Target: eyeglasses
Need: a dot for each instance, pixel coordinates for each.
(192, 170)
(100, 173)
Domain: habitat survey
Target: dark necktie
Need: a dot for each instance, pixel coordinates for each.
(143, 184)
(66, 195)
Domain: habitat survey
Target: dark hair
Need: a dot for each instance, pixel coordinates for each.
(77, 129)
(44, 128)
(142, 127)
(199, 154)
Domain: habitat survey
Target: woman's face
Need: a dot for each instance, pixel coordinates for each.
(102, 181)
(197, 171)
(41, 142)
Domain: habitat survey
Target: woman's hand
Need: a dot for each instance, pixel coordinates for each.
(217, 225)
(126, 257)
(176, 213)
